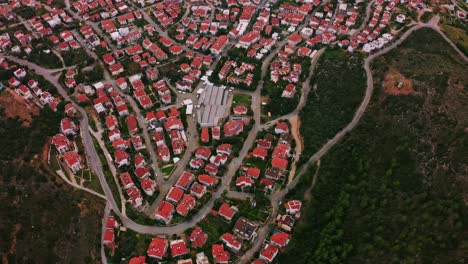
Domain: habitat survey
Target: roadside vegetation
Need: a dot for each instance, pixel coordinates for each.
(47, 60)
(458, 35)
(76, 57)
(426, 16)
(394, 190)
(131, 244)
(456, 30)
(336, 91)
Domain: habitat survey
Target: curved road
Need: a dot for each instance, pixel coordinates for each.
(277, 197)
(96, 166)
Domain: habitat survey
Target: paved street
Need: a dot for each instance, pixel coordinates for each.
(94, 162)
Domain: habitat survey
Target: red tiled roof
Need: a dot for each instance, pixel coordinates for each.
(254, 173)
(224, 149)
(157, 248)
(282, 126)
(185, 180)
(109, 236)
(226, 211)
(203, 152)
(126, 180)
(174, 194)
(198, 238)
(110, 223)
(165, 210)
(178, 248)
(233, 127)
(293, 206)
(132, 123)
(187, 203)
(138, 260)
(198, 189)
(280, 239)
(206, 179)
(231, 241)
(205, 136)
(269, 253)
(217, 249)
(279, 163)
(281, 151)
(211, 169)
(243, 181)
(260, 153)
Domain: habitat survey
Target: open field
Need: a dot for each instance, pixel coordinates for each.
(241, 99)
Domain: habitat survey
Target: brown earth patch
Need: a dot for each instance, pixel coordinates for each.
(16, 106)
(397, 84)
(45, 151)
(295, 130)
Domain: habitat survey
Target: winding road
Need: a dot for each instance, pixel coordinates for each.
(277, 196)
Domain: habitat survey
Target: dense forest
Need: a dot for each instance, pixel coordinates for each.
(337, 89)
(43, 220)
(395, 189)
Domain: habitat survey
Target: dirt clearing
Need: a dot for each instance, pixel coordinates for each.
(16, 106)
(397, 84)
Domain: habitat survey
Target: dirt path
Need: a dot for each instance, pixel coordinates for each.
(308, 192)
(45, 152)
(295, 122)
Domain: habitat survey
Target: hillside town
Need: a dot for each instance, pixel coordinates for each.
(163, 109)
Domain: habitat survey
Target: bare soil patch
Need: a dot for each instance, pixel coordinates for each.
(17, 106)
(295, 130)
(397, 84)
(45, 152)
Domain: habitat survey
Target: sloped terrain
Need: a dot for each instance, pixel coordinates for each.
(43, 219)
(395, 189)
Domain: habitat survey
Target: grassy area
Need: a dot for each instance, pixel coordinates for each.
(140, 217)
(94, 184)
(25, 12)
(54, 163)
(392, 191)
(46, 60)
(258, 213)
(91, 76)
(241, 99)
(457, 36)
(58, 3)
(77, 57)
(336, 91)
(426, 17)
(107, 173)
(91, 121)
(130, 244)
(167, 170)
(215, 228)
(171, 71)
